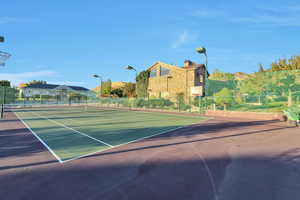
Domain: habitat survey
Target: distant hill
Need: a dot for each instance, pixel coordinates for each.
(114, 85)
(241, 76)
(218, 75)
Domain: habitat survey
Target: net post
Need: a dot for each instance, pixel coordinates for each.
(2, 111)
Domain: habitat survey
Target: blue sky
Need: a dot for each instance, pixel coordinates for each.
(66, 41)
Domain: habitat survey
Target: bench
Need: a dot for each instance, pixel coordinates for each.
(293, 115)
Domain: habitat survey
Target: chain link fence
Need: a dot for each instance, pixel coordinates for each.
(243, 102)
(259, 92)
(250, 103)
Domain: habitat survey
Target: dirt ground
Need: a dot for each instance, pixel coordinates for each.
(221, 159)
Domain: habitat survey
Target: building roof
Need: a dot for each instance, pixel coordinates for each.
(202, 66)
(169, 65)
(53, 86)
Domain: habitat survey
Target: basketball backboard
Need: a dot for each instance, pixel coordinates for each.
(3, 57)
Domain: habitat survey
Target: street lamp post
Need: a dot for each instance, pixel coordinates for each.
(202, 50)
(129, 67)
(100, 77)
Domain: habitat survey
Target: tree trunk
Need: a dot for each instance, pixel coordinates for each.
(225, 107)
(290, 98)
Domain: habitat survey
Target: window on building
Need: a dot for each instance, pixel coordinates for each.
(199, 76)
(164, 71)
(153, 73)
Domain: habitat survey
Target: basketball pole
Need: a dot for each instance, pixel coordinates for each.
(3, 102)
(2, 105)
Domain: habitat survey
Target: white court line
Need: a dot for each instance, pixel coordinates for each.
(89, 154)
(51, 151)
(211, 178)
(158, 112)
(110, 146)
(149, 136)
(81, 133)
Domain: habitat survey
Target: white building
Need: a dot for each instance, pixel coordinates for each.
(53, 90)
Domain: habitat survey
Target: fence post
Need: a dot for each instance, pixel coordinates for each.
(214, 104)
(199, 104)
(190, 104)
(3, 102)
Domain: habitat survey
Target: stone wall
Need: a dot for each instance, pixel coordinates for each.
(179, 80)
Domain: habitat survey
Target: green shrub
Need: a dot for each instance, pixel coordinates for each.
(140, 103)
(185, 107)
(224, 98)
(158, 103)
(124, 102)
(281, 98)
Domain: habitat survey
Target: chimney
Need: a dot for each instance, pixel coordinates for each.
(188, 63)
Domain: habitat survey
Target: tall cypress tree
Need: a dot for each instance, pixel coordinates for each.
(261, 68)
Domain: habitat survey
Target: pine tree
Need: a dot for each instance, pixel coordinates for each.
(261, 68)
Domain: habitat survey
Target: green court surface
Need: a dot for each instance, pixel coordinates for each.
(74, 132)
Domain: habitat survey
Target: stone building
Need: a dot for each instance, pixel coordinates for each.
(167, 81)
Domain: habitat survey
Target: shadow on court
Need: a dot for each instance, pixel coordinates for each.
(195, 130)
(27, 165)
(268, 178)
(177, 165)
(18, 142)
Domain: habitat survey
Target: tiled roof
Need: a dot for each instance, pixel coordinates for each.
(53, 86)
(78, 88)
(179, 68)
(42, 86)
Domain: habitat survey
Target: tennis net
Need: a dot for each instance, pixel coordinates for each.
(43, 107)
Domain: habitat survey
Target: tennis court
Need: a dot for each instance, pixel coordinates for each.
(71, 132)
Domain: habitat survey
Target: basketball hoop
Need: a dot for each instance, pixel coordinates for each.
(3, 57)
